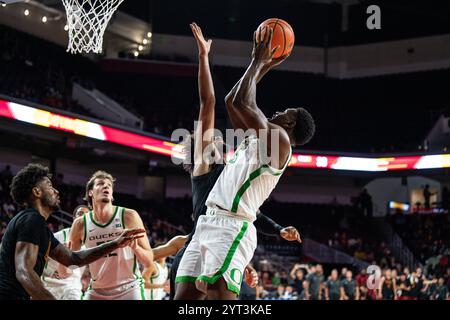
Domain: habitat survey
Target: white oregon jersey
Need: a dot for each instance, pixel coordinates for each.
(160, 278)
(50, 276)
(118, 267)
(245, 182)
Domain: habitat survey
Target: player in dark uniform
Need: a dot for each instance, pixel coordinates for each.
(204, 174)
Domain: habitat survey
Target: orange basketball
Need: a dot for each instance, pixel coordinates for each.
(283, 36)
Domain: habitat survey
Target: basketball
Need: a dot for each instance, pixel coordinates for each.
(283, 36)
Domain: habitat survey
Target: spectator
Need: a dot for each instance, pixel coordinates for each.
(266, 281)
(284, 278)
(416, 280)
(8, 208)
(365, 200)
(441, 290)
(427, 196)
(388, 286)
(279, 294)
(332, 286)
(445, 198)
(315, 281)
(289, 293)
(403, 287)
(361, 282)
(349, 289)
(297, 276)
(6, 178)
(276, 279)
(246, 293)
(343, 273)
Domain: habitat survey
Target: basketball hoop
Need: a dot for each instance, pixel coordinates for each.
(87, 21)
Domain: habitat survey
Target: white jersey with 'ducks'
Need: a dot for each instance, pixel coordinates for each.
(118, 267)
(246, 182)
(58, 286)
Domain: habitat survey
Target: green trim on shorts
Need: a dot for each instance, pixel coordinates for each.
(247, 184)
(185, 279)
(141, 284)
(103, 225)
(88, 289)
(233, 288)
(229, 257)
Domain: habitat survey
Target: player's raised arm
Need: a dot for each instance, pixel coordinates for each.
(81, 258)
(203, 135)
(170, 248)
(267, 226)
(244, 109)
(234, 117)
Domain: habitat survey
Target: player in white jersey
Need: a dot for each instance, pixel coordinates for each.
(154, 287)
(155, 278)
(225, 239)
(117, 275)
(62, 282)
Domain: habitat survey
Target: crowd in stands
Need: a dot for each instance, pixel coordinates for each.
(311, 282)
(428, 236)
(169, 102)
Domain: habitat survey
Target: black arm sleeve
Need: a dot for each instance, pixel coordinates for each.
(267, 226)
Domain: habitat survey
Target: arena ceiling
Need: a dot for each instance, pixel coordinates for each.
(341, 22)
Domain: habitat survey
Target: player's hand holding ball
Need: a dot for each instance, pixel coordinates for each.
(273, 42)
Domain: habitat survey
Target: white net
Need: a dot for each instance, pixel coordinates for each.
(87, 21)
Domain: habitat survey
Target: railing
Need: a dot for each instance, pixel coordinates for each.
(320, 253)
(325, 254)
(104, 107)
(396, 244)
(63, 217)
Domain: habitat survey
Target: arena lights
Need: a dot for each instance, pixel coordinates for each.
(140, 48)
(26, 12)
(88, 129)
(3, 5)
(136, 54)
(144, 42)
(94, 130)
(66, 28)
(400, 206)
(44, 19)
(149, 34)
